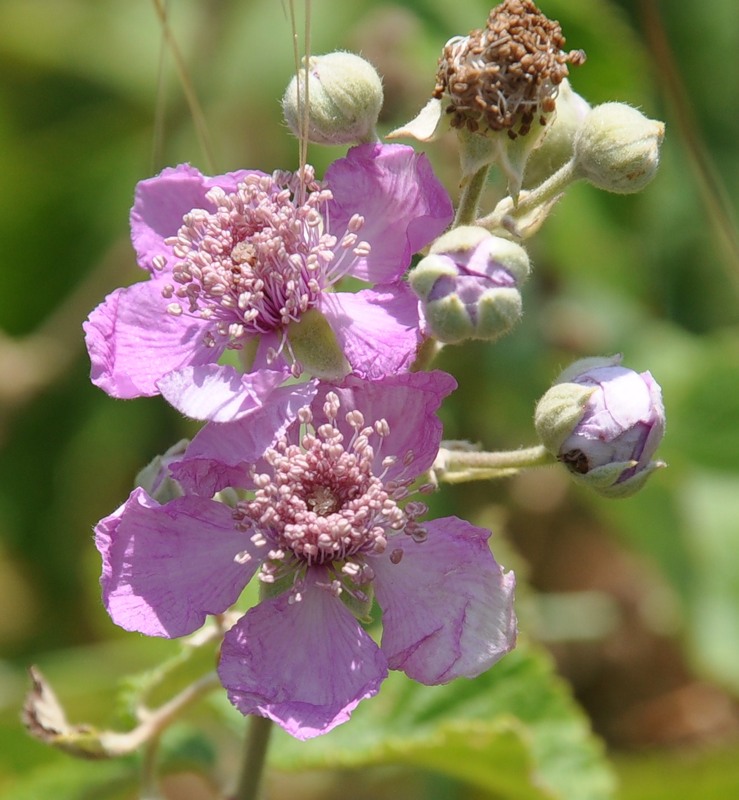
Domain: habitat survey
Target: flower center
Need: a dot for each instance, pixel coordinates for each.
(261, 259)
(322, 503)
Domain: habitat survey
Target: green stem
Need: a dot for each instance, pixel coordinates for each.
(529, 201)
(455, 465)
(427, 352)
(255, 752)
(470, 198)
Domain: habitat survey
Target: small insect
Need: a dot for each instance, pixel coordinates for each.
(576, 461)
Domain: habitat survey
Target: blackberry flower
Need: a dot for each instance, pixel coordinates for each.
(329, 521)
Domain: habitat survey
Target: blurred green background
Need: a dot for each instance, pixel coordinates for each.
(637, 600)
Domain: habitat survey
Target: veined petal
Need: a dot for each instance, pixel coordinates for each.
(403, 204)
(447, 606)
(218, 393)
(162, 201)
(220, 454)
(166, 567)
(377, 330)
(306, 664)
(133, 341)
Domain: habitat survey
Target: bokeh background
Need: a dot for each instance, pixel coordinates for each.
(637, 600)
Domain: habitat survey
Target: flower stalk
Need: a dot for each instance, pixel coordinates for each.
(456, 464)
(255, 754)
(470, 198)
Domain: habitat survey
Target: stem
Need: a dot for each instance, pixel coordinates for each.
(528, 201)
(198, 118)
(255, 752)
(427, 352)
(154, 722)
(470, 198)
(455, 466)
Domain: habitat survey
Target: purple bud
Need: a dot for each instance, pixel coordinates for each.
(604, 422)
(468, 285)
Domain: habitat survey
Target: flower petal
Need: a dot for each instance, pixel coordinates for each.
(219, 394)
(161, 203)
(133, 341)
(165, 568)
(306, 664)
(220, 454)
(378, 331)
(447, 606)
(403, 204)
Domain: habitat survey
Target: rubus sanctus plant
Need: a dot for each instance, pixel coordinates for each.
(298, 318)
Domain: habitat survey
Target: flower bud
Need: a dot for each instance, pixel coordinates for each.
(344, 100)
(604, 422)
(617, 148)
(468, 285)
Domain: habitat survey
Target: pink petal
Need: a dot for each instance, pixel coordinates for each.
(133, 341)
(165, 568)
(447, 606)
(306, 665)
(378, 331)
(219, 394)
(161, 203)
(403, 204)
(220, 454)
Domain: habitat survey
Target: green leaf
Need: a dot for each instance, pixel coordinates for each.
(514, 731)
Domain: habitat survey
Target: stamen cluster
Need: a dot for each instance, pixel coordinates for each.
(261, 259)
(506, 75)
(322, 504)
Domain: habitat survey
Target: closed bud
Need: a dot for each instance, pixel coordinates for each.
(604, 422)
(344, 99)
(468, 285)
(617, 148)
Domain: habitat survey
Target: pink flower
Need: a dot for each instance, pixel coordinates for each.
(237, 259)
(331, 522)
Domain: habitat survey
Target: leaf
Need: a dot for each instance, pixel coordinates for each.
(514, 731)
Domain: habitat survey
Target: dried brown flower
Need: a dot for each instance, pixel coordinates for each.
(506, 75)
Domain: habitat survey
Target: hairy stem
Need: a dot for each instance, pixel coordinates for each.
(457, 465)
(529, 201)
(470, 198)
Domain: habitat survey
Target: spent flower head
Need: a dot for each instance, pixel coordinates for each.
(505, 77)
(604, 422)
(497, 87)
(330, 521)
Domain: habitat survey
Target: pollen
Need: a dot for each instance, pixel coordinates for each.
(507, 75)
(325, 499)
